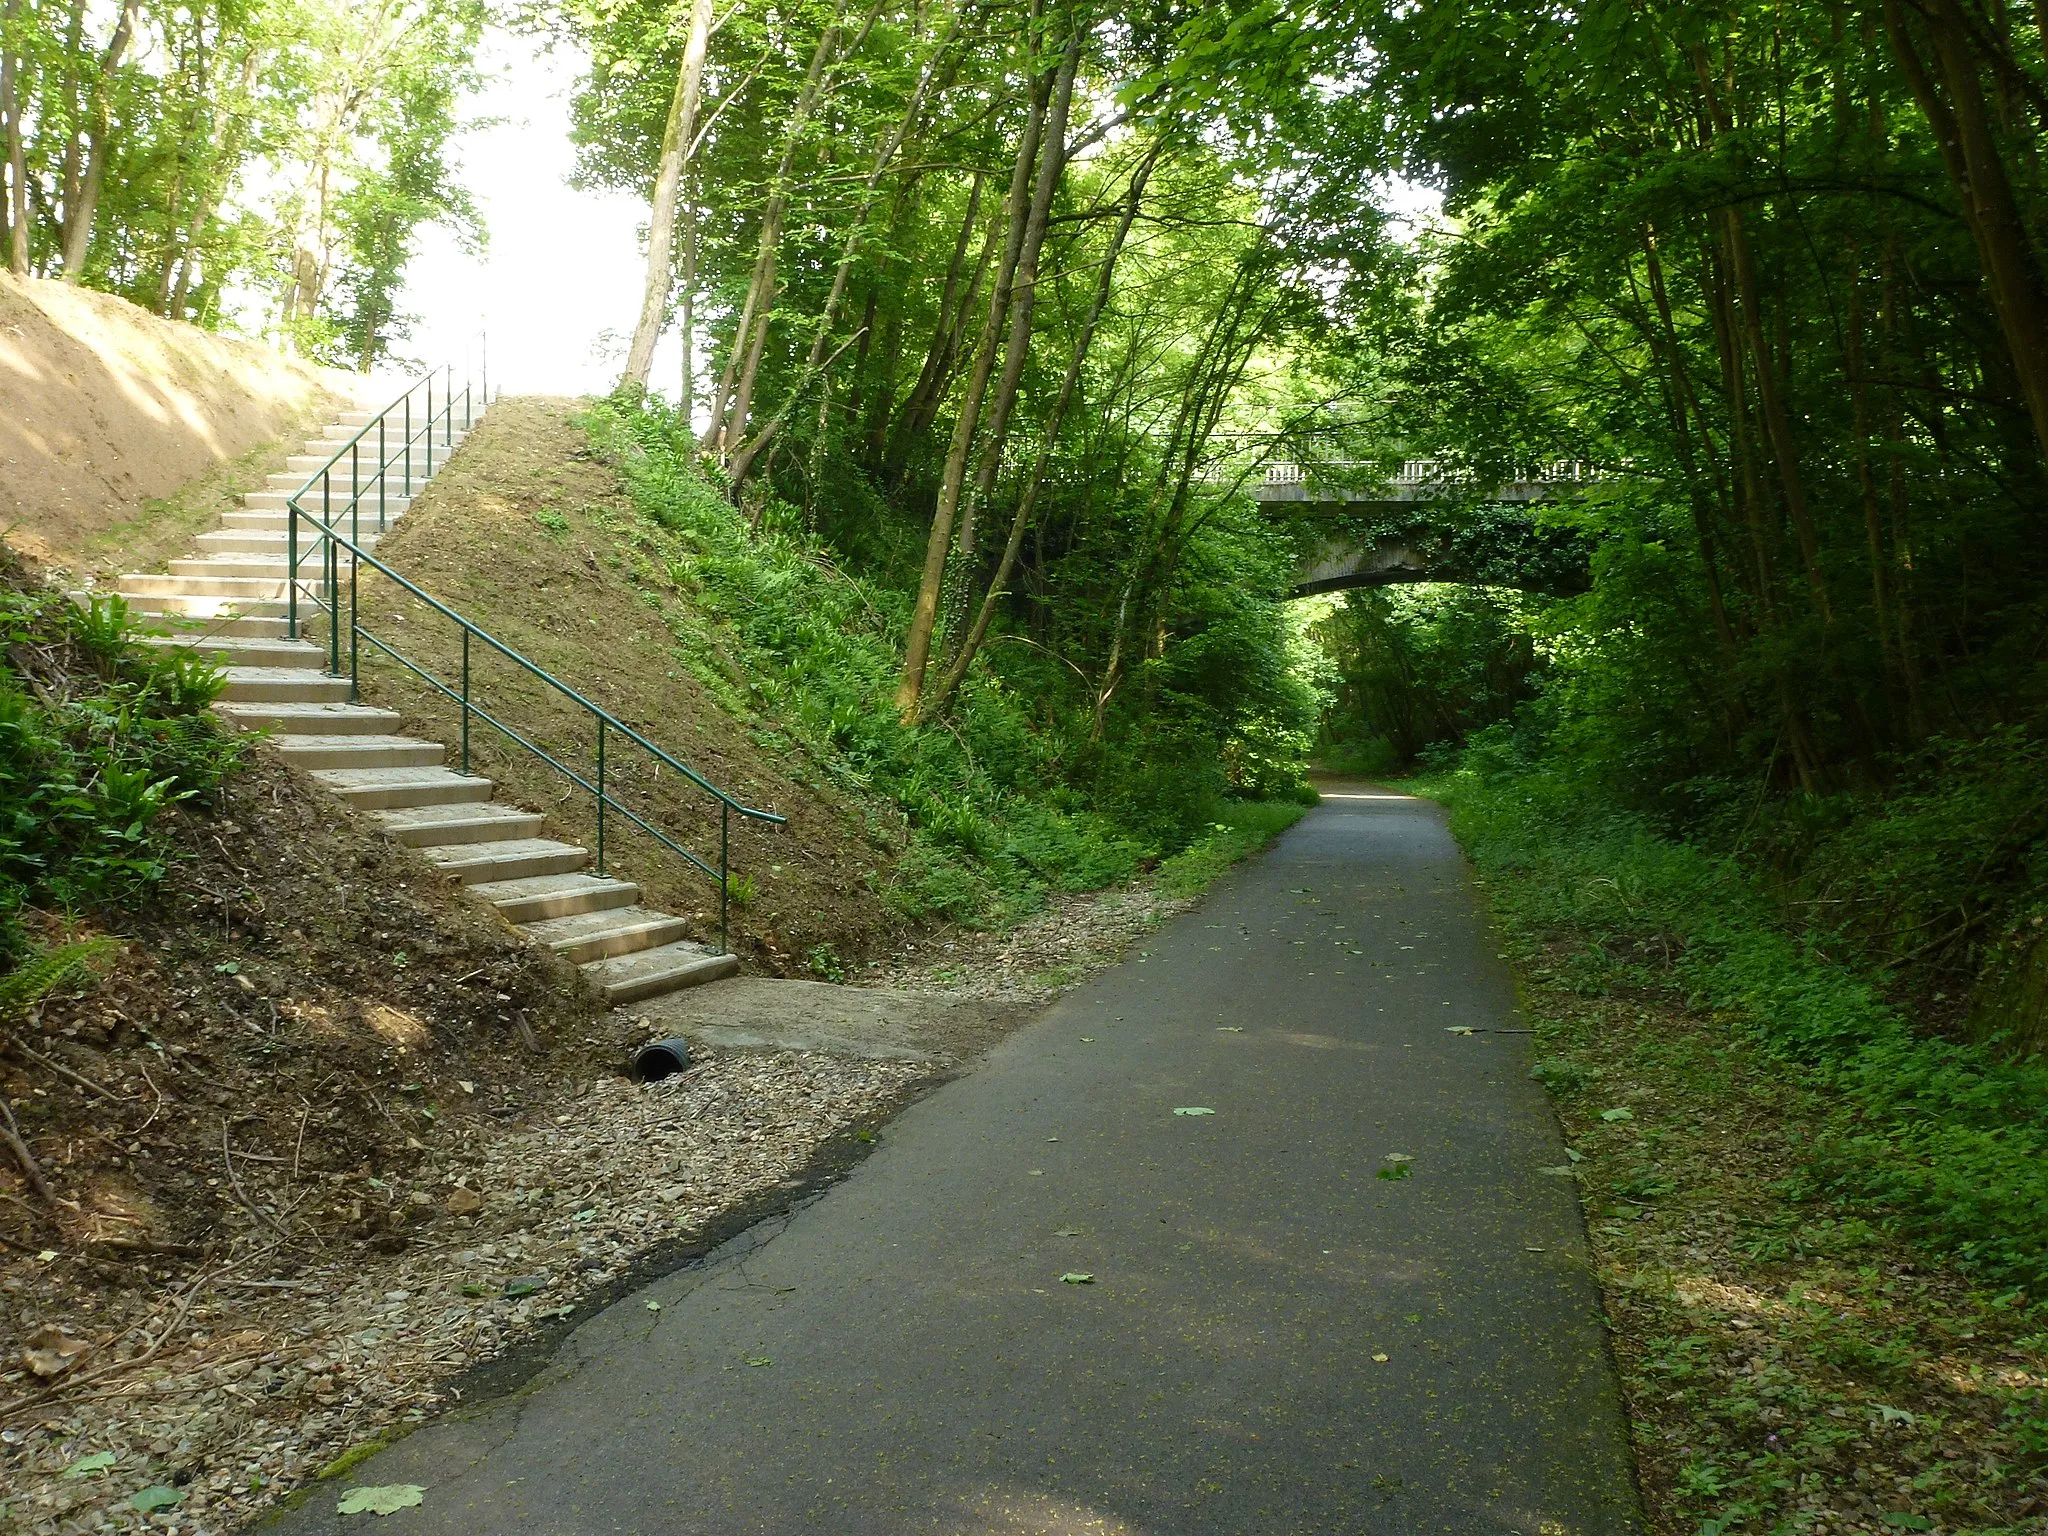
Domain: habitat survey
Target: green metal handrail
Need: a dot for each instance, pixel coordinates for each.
(331, 546)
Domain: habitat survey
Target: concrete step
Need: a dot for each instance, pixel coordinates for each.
(651, 972)
(284, 685)
(440, 826)
(187, 627)
(376, 789)
(254, 567)
(243, 650)
(359, 750)
(185, 608)
(263, 516)
(478, 863)
(589, 936)
(545, 896)
(247, 588)
(312, 719)
(272, 543)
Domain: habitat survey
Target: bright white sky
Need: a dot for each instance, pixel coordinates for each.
(557, 290)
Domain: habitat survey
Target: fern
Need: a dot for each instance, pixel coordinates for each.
(24, 987)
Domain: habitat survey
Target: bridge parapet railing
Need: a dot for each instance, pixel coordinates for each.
(1427, 472)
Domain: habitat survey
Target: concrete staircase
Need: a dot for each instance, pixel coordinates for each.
(227, 603)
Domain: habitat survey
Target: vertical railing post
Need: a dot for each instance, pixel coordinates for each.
(724, 876)
(383, 467)
(354, 663)
(291, 567)
(448, 404)
(327, 572)
(465, 698)
(430, 426)
(408, 442)
(355, 495)
(600, 794)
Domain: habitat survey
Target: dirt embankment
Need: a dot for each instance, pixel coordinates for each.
(105, 408)
(530, 536)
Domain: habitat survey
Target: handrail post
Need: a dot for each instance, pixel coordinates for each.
(328, 573)
(291, 567)
(383, 465)
(430, 426)
(465, 698)
(355, 498)
(600, 794)
(448, 403)
(724, 874)
(354, 663)
(408, 442)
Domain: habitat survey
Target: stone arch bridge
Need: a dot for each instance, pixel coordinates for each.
(1429, 522)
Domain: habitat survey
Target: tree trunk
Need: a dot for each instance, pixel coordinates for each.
(16, 212)
(1969, 149)
(1017, 346)
(743, 458)
(924, 616)
(676, 135)
(938, 357)
(78, 220)
(1027, 501)
(736, 383)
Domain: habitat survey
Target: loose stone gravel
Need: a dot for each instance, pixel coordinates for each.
(287, 1352)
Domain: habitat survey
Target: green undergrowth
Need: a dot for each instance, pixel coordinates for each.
(1939, 1141)
(1006, 799)
(98, 736)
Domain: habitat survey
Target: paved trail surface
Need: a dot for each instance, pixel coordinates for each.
(1277, 1340)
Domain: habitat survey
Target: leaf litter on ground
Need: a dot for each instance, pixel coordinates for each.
(383, 1499)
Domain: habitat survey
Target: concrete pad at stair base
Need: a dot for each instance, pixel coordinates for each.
(762, 1013)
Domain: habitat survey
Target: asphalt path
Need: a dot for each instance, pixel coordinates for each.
(1342, 1298)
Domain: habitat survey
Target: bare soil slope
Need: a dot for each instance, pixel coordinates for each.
(530, 536)
(105, 407)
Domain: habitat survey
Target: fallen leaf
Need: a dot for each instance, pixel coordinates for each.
(524, 1285)
(1076, 1277)
(1379, 1359)
(1229, 1029)
(758, 1360)
(50, 1351)
(1087, 1039)
(1068, 1232)
(387, 1499)
(98, 1461)
(1395, 1171)
(654, 1306)
(1399, 1157)
(464, 1202)
(466, 1087)
(46, 1255)
(1571, 1156)
(1617, 1114)
(158, 1497)
(1461, 1029)
(1561, 1171)
(1194, 1109)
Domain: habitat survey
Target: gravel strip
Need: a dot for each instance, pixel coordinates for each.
(284, 1354)
(1042, 956)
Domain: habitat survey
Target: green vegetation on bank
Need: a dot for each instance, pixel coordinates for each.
(1012, 791)
(98, 735)
(1944, 1141)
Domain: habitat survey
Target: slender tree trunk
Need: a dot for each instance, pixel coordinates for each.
(676, 135)
(921, 404)
(743, 457)
(736, 384)
(17, 159)
(1023, 304)
(687, 309)
(924, 616)
(78, 223)
(1969, 148)
(1027, 501)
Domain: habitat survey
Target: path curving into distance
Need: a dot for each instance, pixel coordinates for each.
(1223, 1372)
